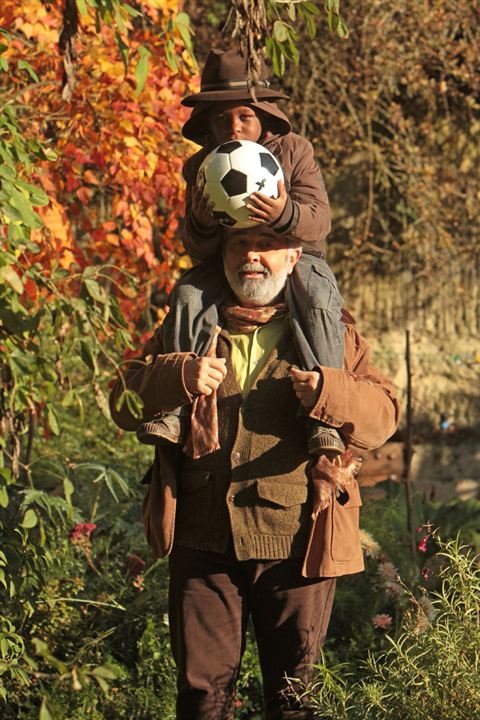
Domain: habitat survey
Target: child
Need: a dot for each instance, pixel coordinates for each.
(223, 110)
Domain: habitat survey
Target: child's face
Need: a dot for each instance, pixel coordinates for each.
(231, 121)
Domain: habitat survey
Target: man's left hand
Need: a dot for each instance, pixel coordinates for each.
(307, 386)
(264, 209)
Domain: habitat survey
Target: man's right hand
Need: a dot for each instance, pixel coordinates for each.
(203, 375)
(202, 209)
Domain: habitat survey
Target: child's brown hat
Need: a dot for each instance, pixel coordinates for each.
(224, 79)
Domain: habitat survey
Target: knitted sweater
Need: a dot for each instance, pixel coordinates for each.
(255, 487)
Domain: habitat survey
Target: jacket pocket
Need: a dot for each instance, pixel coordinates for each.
(345, 540)
(195, 496)
(278, 510)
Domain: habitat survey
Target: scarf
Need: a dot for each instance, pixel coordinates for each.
(202, 438)
(246, 320)
(331, 477)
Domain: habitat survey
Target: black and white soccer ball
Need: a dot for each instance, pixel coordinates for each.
(231, 173)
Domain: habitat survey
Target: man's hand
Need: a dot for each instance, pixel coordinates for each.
(264, 209)
(203, 375)
(202, 208)
(307, 386)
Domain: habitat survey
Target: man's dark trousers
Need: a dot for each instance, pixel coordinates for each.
(211, 598)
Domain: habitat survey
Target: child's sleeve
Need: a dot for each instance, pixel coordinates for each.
(200, 242)
(306, 216)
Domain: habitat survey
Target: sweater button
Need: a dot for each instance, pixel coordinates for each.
(231, 499)
(236, 456)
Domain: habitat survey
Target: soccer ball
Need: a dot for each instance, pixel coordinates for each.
(231, 172)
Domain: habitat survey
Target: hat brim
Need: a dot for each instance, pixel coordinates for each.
(227, 95)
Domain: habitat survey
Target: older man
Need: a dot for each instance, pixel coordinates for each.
(254, 526)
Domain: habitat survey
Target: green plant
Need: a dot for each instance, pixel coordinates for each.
(430, 671)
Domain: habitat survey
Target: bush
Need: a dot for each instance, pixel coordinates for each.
(430, 672)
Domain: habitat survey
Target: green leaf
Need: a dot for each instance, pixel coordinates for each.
(37, 196)
(280, 31)
(342, 29)
(82, 8)
(30, 519)
(123, 48)
(4, 499)
(11, 212)
(24, 65)
(45, 713)
(88, 357)
(3, 64)
(53, 420)
(94, 290)
(170, 55)
(182, 23)
(7, 171)
(8, 275)
(24, 207)
(68, 490)
(311, 27)
(101, 400)
(141, 71)
(104, 671)
(131, 11)
(133, 401)
(119, 20)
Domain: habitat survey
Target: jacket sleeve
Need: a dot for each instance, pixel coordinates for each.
(306, 216)
(157, 378)
(200, 242)
(358, 400)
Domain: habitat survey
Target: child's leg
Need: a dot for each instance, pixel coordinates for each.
(315, 305)
(189, 326)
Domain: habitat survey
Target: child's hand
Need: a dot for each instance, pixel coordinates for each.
(265, 209)
(307, 386)
(202, 208)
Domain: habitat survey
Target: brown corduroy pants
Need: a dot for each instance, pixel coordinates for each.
(211, 599)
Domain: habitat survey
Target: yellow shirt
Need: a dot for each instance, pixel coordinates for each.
(250, 351)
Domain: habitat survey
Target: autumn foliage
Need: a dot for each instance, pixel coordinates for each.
(115, 189)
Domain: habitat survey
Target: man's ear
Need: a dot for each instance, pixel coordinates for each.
(293, 257)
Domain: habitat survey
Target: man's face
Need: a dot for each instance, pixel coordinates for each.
(257, 263)
(231, 121)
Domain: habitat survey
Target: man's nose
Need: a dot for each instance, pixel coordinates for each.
(253, 255)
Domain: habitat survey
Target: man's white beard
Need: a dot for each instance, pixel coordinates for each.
(257, 291)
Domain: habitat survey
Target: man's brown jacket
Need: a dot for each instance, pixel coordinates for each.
(357, 400)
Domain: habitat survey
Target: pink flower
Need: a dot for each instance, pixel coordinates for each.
(382, 621)
(422, 545)
(425, 573)
(82, 532)
(393, 589)
(238, 703)
(138, 583)
(387, 570)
